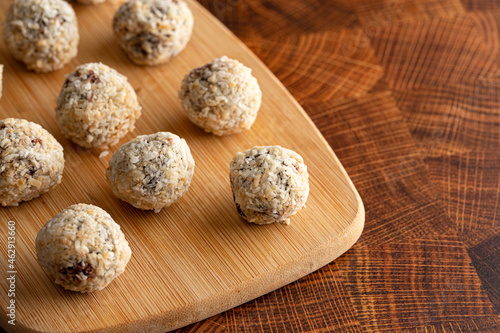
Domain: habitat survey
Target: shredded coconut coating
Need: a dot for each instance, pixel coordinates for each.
(151, 171)
(222, 97)
(82, 248)
(153, 31)
(269, 184)
(42, 33)
(31, 161)
(96, 106)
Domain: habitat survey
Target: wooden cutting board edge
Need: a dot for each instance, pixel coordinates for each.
(261, 284)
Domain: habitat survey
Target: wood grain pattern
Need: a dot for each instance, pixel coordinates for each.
(384, 163)
(485, 258)
(483, 5)
(430, 291)
(421, 145)
(196, 258)
(275, 18)
(344, 65)
(469, 186)
(488, 25)
(382, 12)
(413, 54)
(453, 118)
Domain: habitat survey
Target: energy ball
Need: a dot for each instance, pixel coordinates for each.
(222, 97)
(153, 31)
(269, 184)
(41, 33)
(151, 171)
(31, 161)
(82, 248)
(96, 106)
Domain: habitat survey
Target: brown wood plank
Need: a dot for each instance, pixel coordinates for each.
(453, 118)
(378, 13)
(275, 18)
(383, 161)
(343, 65)
(421, 144)
(427, 53)
(483, 5)
(418, 281)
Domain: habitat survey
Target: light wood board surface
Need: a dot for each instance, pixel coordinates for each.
(196, 258)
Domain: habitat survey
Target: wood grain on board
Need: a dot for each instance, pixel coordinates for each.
(196, 258)
(421, 145)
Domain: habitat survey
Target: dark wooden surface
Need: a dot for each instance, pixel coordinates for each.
(408, 95)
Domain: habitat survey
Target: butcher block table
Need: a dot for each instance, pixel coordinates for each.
(407, 93)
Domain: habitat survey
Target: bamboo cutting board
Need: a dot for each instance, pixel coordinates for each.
(196, 258)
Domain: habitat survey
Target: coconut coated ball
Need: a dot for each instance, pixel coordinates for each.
(31, 161)
(222, 97)
(151, 171)
(97, 106)
(269, 184)
(41, 33)
(82, 248)
(153, 31)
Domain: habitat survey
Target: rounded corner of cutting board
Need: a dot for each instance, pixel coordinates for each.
(246, 291)
(359, 219)
(262, 284)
